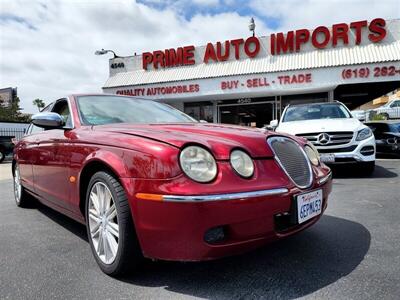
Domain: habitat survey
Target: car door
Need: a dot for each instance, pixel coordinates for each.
(395, 110)
(51, 165)
(26, 151)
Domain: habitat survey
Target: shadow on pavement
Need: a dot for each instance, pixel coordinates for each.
(76, 228)
(287, 269)
(352, 171)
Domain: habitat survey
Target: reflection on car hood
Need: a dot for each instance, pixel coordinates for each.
(320, 125)
(221, 139)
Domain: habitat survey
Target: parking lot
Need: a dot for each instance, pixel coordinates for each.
(352, 253)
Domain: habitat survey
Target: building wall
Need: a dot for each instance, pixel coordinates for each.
(6, 95)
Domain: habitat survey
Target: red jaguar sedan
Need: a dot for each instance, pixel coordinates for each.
(148, 180)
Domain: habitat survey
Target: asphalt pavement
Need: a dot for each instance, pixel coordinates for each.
(353, 252)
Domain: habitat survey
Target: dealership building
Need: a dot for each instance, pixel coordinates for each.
(249, 80)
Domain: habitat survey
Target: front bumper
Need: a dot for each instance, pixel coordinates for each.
(175, 228)
(357, 154)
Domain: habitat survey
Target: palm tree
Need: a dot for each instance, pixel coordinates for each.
(39, 103)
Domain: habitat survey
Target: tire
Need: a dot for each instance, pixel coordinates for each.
(111, 232)
(385, 116)
(2, 156)
(367, 168)
(21, 197)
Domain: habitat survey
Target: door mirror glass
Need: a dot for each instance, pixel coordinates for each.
(48, 120)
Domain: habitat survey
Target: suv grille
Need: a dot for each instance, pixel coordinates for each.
(328, 138)
(292, 159)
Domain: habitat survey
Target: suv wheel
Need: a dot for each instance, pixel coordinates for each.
(110, 227)
(2, 156)
(385, 116)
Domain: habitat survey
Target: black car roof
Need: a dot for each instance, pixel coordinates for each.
(383, 122)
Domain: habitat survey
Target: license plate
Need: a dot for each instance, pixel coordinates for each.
(327, 157)
(309, 205)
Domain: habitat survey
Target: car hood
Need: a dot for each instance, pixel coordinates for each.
(220, 139)
(321, 125)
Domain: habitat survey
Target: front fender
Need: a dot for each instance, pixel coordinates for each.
(111, 159)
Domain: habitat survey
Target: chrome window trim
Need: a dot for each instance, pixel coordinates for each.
(311, 179)
(223, 197)
(70, 112)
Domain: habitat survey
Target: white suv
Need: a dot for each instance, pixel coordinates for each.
(390, 110)
(330, 127)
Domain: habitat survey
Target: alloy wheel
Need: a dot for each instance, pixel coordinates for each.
(103, 223)
(17, 185)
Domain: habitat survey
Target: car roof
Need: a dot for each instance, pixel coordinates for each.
(316, 103)
(383, 122)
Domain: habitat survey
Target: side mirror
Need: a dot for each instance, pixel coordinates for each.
(273, 124)
(48, 120)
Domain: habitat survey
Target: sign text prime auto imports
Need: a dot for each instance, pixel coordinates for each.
(280, 43)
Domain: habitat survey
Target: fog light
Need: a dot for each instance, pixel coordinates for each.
(367, 150)
(214, 235)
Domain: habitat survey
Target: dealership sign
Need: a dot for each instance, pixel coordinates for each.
(279, 43)
(266, 84)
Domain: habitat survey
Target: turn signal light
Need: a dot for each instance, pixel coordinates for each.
(152, 197)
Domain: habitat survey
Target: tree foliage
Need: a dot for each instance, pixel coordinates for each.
(39, 103)
(12, 113)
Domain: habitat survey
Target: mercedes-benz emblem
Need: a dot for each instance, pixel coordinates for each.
(323, 138)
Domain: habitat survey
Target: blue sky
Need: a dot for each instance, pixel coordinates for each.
(188, 9)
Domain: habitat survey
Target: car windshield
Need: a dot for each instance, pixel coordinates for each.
(378, 127)
(100, 110)
(315, 112)
(387, 104)
(395, 127)
(384, 127)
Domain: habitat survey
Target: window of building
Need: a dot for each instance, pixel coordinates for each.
(200, 110)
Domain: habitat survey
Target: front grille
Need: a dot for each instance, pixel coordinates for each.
(292, 159)
(328, 138)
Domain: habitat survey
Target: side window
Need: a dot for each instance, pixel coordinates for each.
(396, 103)
(61, 107)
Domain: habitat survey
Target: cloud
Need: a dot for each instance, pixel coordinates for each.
(54, 55)
(206, 2)
(294, 14)
(47, 47)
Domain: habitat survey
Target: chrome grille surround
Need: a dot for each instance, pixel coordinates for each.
(292, 159)
(336, 138)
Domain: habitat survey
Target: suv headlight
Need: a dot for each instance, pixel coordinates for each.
(198, 163)
(364, 134)
(312, 154)
(242, 163)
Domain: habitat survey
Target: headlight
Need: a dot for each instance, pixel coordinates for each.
(198, 164)
(312, 154)
(363, 134)
(242, 163)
